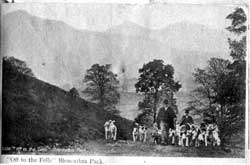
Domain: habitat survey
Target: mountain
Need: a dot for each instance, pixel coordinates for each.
(35, 112)
(193, 37)
(129, 29)
(60, 54)
(128, 104)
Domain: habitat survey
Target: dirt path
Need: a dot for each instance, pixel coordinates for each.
(129, 148)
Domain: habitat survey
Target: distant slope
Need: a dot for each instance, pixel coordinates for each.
(35, 111)
(128, 105)
(193, 37)
(56, 52)
(60, 54)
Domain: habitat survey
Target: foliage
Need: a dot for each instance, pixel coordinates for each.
(238, 49)
(146, 115)
(24, 115)
(212, 80)
(237, 77)
(238, 18)
(102, 86)
(74, 92)
(155, 79)
(35, 113)
(8, 1)
(216, 93)
(238, 53)
(19, 65)
(220, 95)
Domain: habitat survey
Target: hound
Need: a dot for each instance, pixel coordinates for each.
(172, 134)
(142, 133)
(202, 138)
(194, 136)
(113, 130)
(135, 132)
(216, 137)
(183, 136)
(209, 134)
(178, 134)
(110, 130)
(213, 132)
(156, 134)
(106, 128)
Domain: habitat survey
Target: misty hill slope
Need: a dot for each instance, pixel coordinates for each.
(56, 52)
(35, 111)
(60, 54)
(128, 104)
(193, 37)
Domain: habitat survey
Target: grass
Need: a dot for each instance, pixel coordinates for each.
(130, 148)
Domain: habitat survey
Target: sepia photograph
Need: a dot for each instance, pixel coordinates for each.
(151, 80)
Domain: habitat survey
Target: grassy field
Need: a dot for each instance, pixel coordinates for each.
(130, 148)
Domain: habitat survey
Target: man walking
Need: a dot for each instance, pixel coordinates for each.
(186, 119)
(166, 119)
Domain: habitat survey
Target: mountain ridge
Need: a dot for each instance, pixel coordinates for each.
(60, 54)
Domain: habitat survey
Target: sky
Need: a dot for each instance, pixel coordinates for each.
(100, 17)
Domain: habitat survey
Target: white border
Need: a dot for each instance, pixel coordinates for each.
(139, 1)
(124, 160)
(158, 160)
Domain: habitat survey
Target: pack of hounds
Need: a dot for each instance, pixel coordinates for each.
(183, 135)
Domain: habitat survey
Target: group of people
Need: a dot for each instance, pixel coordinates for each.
(167, 121)
(167, 130)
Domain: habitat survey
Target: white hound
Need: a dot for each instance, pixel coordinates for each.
(142, 133)
(135, 132)
(113, 130)
(110, 130)
(106, 128)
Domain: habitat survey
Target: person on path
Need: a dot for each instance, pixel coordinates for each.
(166, 119)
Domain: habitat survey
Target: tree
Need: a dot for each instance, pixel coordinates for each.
(19, 65)
(154, 78)
(20, 115)
(35, 113)
(73, 91)
(213, 87)
(221, 91)
(238, 53)
(238, 18)
(213, 80)
(8, 1)
(236, 84)
(102, 86)
(146, 115)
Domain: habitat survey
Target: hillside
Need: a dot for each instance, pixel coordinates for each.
(60, 54)
(194, 37)
(128, 104)
(35, 112)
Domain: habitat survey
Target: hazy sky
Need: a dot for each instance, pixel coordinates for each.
(99, 17)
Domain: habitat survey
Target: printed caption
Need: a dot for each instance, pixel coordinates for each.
(60, 160)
